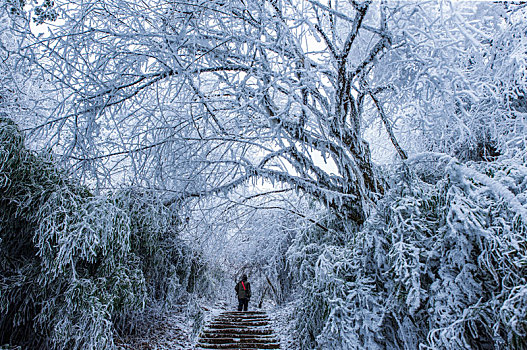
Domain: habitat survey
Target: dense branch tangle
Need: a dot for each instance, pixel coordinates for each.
(276, 84)
(312, 100)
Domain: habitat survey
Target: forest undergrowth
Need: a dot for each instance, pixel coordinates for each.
(79, 270)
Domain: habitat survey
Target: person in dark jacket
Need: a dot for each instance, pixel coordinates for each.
(243, 292)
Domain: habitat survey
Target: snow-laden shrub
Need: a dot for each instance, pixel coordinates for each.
(340, 305)
(441, 265)
(77, 267)
(457, 255)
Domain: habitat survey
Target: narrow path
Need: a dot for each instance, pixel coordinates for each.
(239, 330)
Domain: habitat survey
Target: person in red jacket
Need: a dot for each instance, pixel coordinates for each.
(243, 292)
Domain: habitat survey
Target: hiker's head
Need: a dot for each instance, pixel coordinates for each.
(244, 277)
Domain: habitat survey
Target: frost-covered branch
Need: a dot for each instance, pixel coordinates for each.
(388, 127)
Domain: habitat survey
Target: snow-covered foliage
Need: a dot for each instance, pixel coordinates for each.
(236, 89)
(21, 82)
(456, 78)
(78, 268)
(331, 288)
(441, 265)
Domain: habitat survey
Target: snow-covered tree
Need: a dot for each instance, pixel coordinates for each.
(272, 89)
(456, 80)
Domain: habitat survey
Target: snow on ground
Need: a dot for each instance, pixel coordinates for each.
(282, 319)
(172, 331)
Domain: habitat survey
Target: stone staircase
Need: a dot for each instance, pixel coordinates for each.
(239, 330)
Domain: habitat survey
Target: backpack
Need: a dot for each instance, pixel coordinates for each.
(243, 290)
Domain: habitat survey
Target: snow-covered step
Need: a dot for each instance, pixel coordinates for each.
(241, 324)
(236, 330)
(239, 330)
